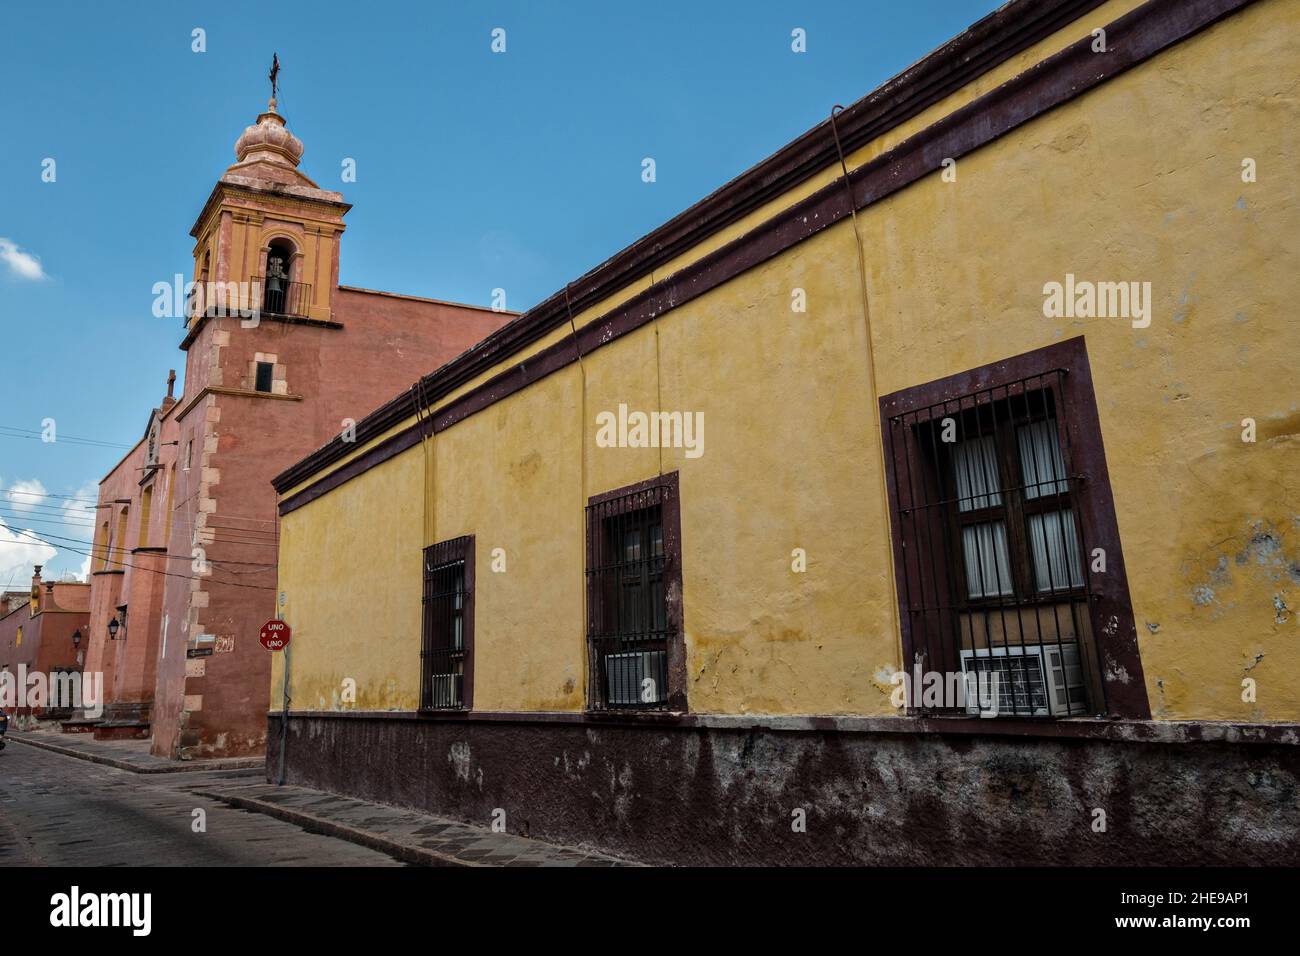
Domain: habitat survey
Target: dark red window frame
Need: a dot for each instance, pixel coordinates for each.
(633, 510)
(1063, 370)
(448, 604)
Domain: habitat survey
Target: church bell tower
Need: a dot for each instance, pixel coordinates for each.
(267, 241)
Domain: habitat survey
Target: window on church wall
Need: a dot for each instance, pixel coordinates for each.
(120, 544)
(171, 492)
(264, 376)
(146, 506)
(196, 300)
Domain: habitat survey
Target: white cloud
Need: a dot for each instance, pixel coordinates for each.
(79, 515)
(25, 495)
(70, 517)
(22, 264)
(18, 553)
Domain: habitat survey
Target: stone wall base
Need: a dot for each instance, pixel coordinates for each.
(123, 731)
(698, 794)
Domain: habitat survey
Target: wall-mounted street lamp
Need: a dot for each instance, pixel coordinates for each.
(76, 638)
(114, 625)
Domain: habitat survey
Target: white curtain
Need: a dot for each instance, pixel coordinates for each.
(976, 464)
(1041, 464)
(1055, 547)
(988, 572)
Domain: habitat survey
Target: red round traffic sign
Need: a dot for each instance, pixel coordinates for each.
(275, 635)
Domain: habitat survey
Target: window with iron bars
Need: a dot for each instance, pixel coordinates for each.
(634, 634)
(446, 655)
(993, 522)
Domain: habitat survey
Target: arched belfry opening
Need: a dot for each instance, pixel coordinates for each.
(280, 293)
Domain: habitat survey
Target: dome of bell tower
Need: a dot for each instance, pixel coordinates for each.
(269, 140)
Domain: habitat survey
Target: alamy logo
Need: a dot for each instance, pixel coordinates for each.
(651, 430)
(186, 299)
(1098, 300)
(80, 691)
(134, 910)
(970, 691)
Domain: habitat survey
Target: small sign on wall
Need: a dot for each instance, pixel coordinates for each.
(201, 645)
(275, 635)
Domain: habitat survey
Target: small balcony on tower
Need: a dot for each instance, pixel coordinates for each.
(280, 296)
(271, 295)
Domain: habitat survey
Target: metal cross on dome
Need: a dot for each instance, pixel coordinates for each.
(275, 72)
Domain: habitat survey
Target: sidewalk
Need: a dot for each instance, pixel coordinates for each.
(132, 755)
(408, 835)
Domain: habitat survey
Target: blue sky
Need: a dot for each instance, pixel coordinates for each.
(475, 170)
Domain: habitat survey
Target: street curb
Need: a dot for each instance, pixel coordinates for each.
(181, 766)
(313, 824)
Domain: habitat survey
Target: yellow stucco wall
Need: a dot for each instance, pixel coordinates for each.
(369, 547)
(1138, 180)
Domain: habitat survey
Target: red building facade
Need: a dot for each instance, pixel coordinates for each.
(45, 634)
(279, 359)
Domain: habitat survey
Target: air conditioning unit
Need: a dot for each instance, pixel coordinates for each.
(1032, 679)
(445, 690)
(625, 676)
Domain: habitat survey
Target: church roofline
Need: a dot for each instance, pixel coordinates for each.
(421, 298)
(163, 412)
(121, 461)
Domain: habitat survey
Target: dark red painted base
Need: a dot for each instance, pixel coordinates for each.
(799, 792)
(122, 732)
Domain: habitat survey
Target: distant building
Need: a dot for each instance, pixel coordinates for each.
(44, 631)
(9, 600)
(279, 359)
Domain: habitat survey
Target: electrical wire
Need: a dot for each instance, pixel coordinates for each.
(50, 494)
(27, 519)
(107, 551)
(13, 431)
(72, 512)
(136, 567)
(40, 517)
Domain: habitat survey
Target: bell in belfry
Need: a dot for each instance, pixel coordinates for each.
(275, 284)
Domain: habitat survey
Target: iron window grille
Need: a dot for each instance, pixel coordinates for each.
(634, 612)
(446, 655)
(993, 523)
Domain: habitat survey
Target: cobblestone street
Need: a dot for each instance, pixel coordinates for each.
(61, 811)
